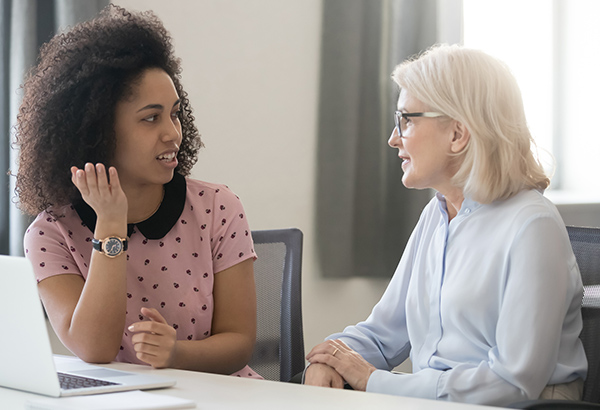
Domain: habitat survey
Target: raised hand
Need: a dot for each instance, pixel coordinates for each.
(107, 199)
(154, 340)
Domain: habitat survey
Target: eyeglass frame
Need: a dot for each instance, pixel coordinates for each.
(398, 115)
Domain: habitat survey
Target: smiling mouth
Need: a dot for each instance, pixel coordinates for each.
(168, 157)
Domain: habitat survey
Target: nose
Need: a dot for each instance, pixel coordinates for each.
(395, 140)
(172, 131)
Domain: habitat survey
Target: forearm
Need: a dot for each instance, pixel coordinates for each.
(477, 384)
(95, 329)
(223, 353)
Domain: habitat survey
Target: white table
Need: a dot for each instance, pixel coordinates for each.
(212, 391)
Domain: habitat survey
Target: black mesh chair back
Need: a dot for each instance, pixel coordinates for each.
(279, 350)
(586, 246)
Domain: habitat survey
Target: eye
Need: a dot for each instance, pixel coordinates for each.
(404, 121)
(176, 114)
(151, 118)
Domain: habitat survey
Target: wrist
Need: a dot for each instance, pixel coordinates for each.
(111, 246)
(106, 228)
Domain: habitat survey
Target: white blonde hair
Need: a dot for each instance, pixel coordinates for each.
(479, 91)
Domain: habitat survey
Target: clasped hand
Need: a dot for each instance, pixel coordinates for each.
(154, 340)
(333, 362)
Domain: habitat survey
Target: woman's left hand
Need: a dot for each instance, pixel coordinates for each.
(350, 365)
(154, 340)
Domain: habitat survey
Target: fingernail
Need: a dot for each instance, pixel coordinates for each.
(130, 328)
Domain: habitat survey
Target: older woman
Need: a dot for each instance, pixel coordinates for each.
(486, 298)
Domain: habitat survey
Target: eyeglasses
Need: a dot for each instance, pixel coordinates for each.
(401, 118)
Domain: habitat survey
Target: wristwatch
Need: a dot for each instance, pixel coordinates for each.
(111, 246)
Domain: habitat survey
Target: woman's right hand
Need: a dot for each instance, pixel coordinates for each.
(107, 199)
(318, 374)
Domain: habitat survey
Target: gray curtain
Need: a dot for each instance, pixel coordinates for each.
(25, 25)
(364, 213)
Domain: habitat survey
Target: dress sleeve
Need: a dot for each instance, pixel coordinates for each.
(231, 236)
(47, 248)
(539, 322)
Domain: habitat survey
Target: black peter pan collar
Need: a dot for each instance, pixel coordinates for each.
(160, 223)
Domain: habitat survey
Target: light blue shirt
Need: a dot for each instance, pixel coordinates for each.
(488, 306)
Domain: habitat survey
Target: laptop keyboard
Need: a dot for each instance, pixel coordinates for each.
(69, 381)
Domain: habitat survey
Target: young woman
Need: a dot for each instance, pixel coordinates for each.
(135, 262)
(486, 299)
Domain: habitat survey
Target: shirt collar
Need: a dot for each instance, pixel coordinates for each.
(157, 225)
(467, 206)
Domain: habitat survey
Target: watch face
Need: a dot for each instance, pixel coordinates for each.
(113, 247)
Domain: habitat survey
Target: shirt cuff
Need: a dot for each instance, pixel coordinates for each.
(422, 384)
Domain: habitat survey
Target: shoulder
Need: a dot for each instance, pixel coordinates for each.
(210, 187)
(211, 192)
(527, 205)
(527, 214)
(51, 220)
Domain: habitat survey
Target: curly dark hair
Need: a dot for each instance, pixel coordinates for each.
(68, 111)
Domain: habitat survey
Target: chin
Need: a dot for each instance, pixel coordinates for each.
(412, 184)
(407, 183)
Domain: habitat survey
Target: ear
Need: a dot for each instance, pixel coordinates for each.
(460, 137)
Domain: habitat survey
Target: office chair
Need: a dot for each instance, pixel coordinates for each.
(586, 246)
(279, 349)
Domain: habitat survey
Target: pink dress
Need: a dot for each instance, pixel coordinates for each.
(199, 230)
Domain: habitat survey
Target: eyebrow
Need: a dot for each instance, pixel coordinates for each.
(158, 106)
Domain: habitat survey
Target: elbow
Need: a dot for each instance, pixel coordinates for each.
(244, 353)
(95, 356)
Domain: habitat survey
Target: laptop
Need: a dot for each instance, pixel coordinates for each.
(26, 359)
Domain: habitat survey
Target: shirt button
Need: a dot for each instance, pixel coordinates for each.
(468, 211)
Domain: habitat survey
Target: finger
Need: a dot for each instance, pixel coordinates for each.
(114, 181)
(102, 179)
(323, 348)
(90, 177)
(146, 358)
(145, 338)
(325, 358)
(153, 315)
(74, 175)
(339, 347)
(320, 348)
(337, 382)
(151, 354)
(147, 326)
(78, 178)
(323, 375)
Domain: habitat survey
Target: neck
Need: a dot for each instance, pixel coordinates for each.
(454, 199)
(142, 201)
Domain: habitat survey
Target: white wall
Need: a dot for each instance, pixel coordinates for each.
(251, 68)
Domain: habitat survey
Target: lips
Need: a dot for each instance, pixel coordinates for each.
(167, 156)
(405, 160)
